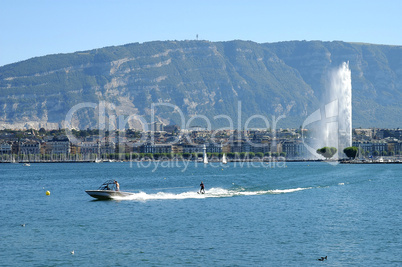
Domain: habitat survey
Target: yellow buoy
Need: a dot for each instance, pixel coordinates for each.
(47, 193)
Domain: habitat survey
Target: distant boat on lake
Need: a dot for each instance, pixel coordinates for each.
(205, 155)
(224, 160)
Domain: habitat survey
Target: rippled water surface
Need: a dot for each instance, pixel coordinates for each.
(250, 215)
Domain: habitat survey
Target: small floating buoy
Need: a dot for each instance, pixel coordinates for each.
(47, 193)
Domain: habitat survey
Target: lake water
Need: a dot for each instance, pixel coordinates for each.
(250, 215)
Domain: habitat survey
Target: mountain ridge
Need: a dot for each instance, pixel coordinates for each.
(202, 78)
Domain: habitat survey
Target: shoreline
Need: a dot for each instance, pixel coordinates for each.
(371, 162)
(211, 161)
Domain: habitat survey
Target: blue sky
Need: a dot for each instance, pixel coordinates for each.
(36, 28)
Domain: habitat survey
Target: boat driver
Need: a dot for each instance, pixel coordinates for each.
(117, 185)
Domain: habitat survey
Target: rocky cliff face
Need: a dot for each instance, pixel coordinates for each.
(199, 78)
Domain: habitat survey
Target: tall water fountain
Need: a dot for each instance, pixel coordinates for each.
(332, 125)
(340, 92)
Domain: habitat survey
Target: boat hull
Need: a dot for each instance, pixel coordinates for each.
(106, 194)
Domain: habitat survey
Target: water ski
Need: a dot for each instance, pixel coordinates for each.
(200, 193)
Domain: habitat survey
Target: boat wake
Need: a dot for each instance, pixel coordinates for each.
(211, 193)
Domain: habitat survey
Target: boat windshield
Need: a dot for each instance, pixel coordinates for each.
(108, 185)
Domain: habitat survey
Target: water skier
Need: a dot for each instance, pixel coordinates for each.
(202, 190)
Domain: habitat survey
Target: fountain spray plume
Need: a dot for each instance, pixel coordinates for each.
(331, 125)
(337, 131)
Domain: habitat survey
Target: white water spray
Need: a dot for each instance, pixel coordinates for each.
(332, 125)
(211, 193)
(337, 131)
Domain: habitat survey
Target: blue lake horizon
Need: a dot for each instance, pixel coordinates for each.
(289, 215)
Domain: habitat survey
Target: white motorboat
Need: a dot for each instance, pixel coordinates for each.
(107, 190)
